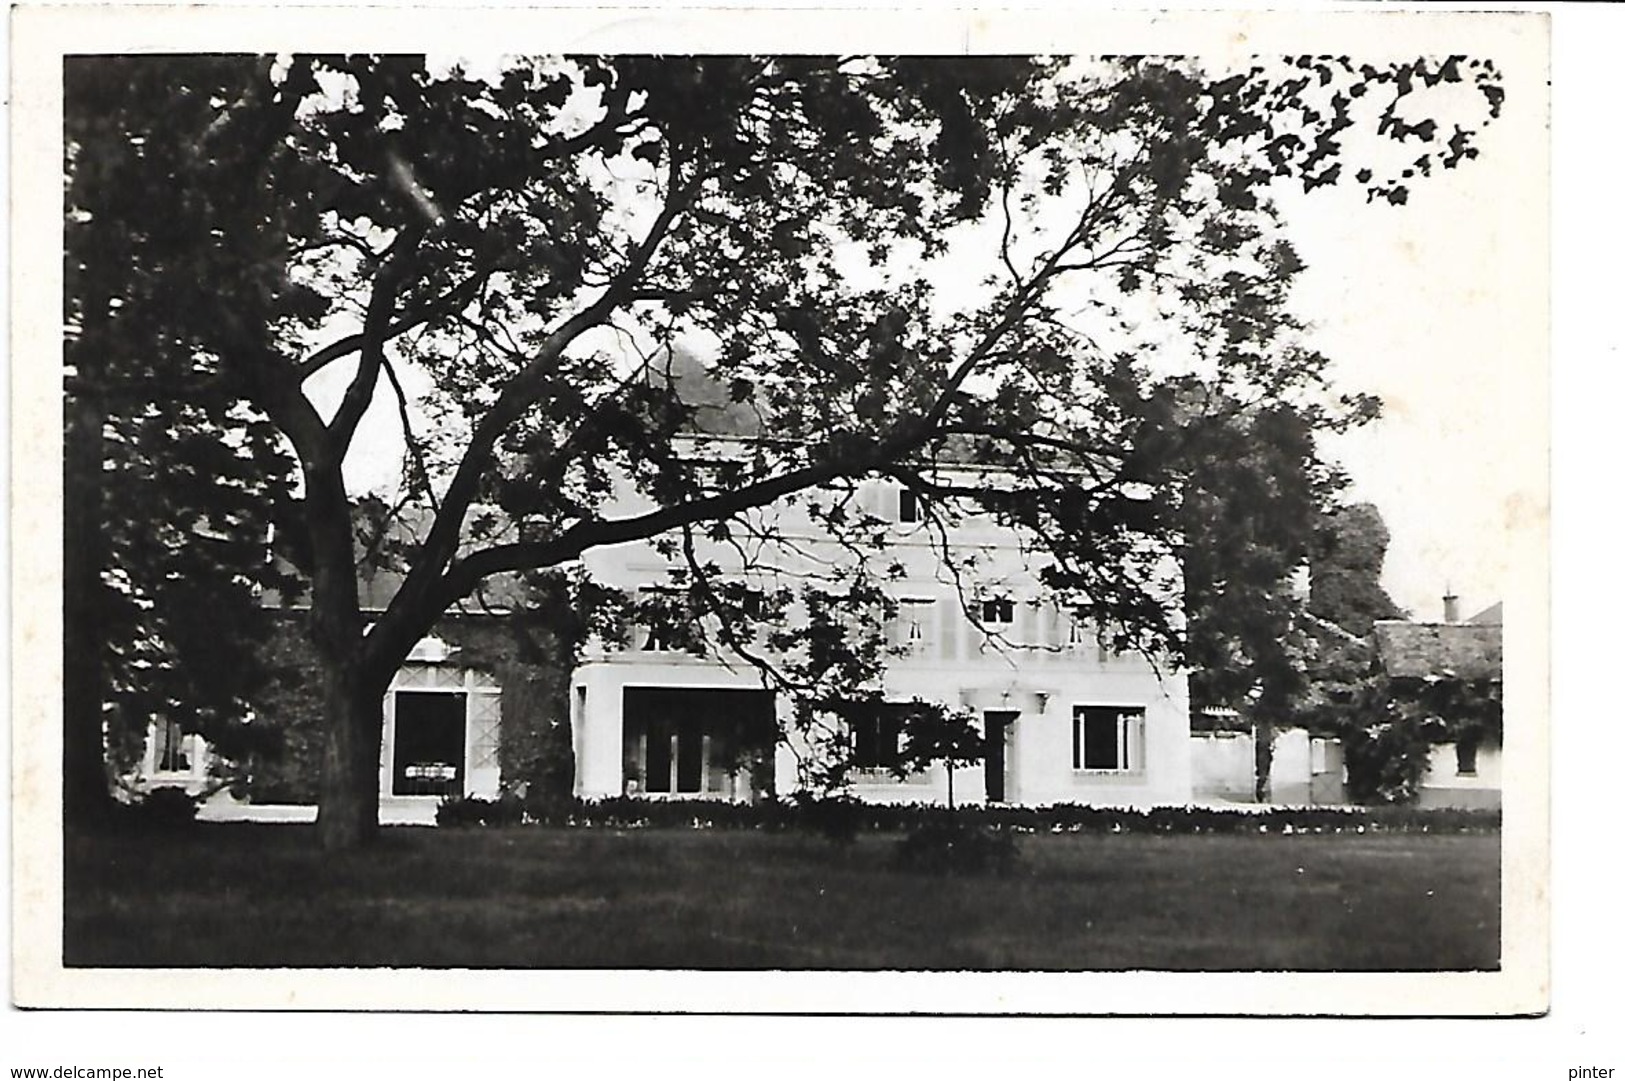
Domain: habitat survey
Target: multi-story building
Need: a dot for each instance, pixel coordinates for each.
(1066, 719)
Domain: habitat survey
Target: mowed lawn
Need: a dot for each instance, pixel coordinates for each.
(259, 895)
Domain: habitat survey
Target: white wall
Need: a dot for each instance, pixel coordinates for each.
(1222, 768)
(1442, 786)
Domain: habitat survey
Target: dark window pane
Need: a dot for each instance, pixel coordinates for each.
(877, 735)
(891, 734)
(171, 747)
(429, 743)
(1467, 756)
(908, 506)
(657, 760)
(1100, 739)
(865, 741)
(690, 758)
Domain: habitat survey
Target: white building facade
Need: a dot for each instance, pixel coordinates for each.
(1065, 719)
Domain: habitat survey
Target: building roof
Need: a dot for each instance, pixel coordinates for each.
(1492, 614)
(1439, 650)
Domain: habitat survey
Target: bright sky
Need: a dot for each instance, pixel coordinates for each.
(1439, 308)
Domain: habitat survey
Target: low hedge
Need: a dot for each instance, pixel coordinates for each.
(160, 810)
(843, 818)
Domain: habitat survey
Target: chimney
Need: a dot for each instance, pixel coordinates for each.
(1452, 606)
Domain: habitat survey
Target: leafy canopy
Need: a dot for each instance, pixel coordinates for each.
(179, 480)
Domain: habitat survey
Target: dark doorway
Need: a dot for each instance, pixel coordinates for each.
(429, 736)
(996, 726)
(693, 741)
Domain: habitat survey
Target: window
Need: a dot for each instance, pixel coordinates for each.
(1107, 738)
(879, 740)
(1467, 757)
(430, 733)
(998, 611)
(657, 620)
(695, 741)
(445, 736)
(908, 506)
(169, 748)
(876, 738)
(913, 631)
(674, 754)
(752, 603)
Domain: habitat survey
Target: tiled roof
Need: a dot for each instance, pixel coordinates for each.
(1440, 650)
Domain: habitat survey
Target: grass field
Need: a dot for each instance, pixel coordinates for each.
(257, 895)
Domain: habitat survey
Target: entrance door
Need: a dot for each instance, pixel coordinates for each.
(429, 739)
(997, 729)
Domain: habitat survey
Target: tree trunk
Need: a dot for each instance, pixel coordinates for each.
(1263, 756)
(86, 797)
(353, 712)
(352, 695)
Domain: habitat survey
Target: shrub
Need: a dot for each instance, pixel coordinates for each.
(836, 818)
(548, 808)
(160, 809)
(507, 810)
(1387, 761)
(958, 847)
(464, 811)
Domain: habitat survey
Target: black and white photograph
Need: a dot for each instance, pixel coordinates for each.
(998, 516)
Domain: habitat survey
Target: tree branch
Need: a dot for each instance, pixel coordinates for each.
(405, 618)
(412, 446)
(374, 334)
(448, 304)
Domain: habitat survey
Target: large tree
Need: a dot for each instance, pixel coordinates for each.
(1254, 493)
(894, 262)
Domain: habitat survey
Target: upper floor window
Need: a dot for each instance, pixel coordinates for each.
(909, 507)
(657, 621)
(1075, 638)
(997, 611)
(913, 629)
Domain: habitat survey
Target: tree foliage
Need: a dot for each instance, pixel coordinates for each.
(533, 240)
(1345, 584)
(172, 481)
